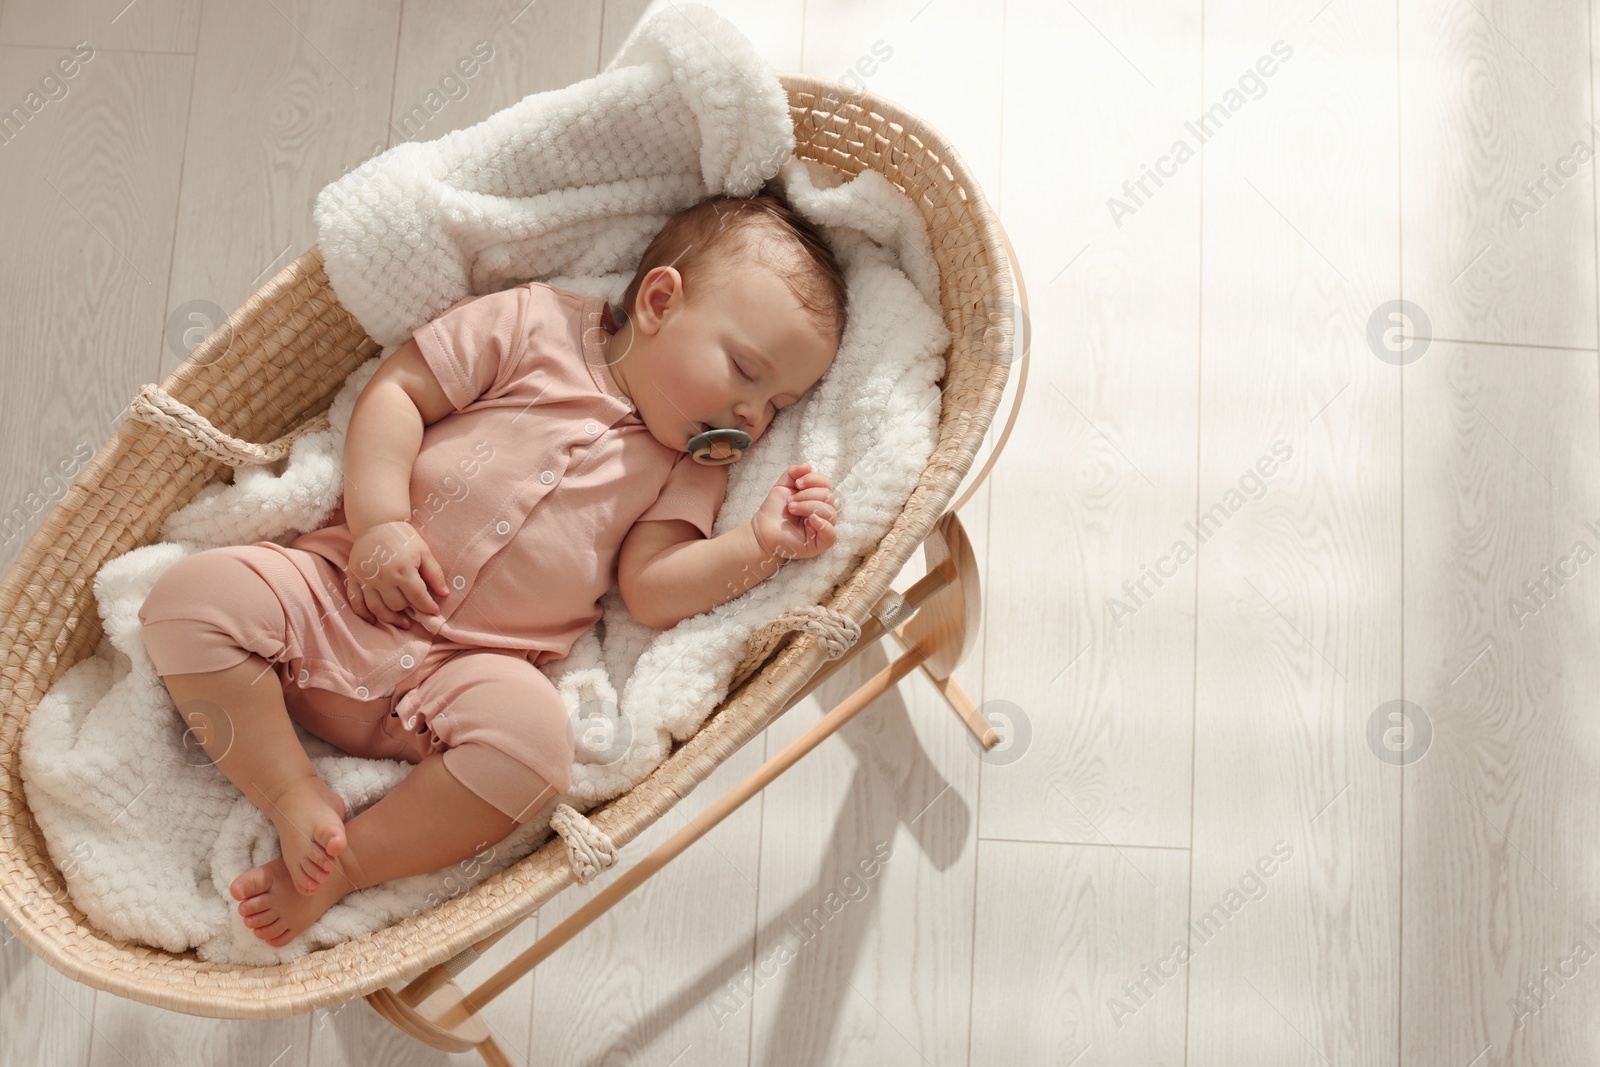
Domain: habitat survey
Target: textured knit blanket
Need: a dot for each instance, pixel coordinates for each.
(565, 186)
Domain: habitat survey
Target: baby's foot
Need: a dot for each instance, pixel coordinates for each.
(310, 821)
(273, 908)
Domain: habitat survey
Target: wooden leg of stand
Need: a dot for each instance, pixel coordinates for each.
(423, 1023)
(947, 623)
(493, 1055)
(423, 985)
(966, 710)
(957, 698)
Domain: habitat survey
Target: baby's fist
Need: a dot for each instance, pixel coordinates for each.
(796, 521)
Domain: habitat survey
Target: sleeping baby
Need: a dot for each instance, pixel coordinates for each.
(521, 454)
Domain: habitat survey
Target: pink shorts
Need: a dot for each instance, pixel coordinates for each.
(499, 722)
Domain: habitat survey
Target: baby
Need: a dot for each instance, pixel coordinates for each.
(446, 577)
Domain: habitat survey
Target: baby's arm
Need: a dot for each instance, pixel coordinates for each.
(668, 572)
(385, 435)
(391, 568)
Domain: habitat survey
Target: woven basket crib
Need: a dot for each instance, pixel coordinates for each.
(268, 374)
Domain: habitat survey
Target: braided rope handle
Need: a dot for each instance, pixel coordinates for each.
(589, 850)
(156, 407)
(835, 631)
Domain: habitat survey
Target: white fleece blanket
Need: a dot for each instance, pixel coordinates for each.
(567, 186)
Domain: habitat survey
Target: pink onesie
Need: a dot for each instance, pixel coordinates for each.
(537, 415)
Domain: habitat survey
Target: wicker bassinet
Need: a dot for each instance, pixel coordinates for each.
(266, 375)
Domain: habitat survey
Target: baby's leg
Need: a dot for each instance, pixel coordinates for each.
(502, 719)
(427, 822)
(238, 716)
(204, 615)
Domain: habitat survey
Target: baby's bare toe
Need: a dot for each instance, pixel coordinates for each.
(305, 878)
(255, 905)
(255, 881)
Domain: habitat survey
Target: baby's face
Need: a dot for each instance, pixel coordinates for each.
(730, 355)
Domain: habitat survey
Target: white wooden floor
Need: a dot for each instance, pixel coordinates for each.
(1206, 840)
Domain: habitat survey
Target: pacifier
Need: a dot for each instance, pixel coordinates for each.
(717, 447)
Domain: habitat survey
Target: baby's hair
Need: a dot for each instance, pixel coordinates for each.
(702, 241)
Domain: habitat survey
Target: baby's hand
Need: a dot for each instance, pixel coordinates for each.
(796, 521)
(388, 565)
